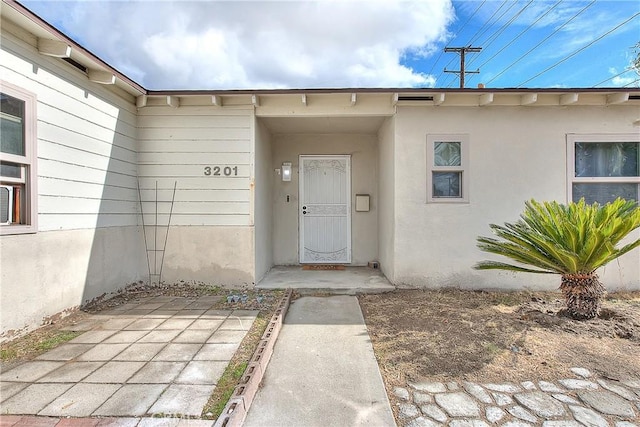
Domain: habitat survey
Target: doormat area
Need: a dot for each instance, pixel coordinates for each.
(323, 267)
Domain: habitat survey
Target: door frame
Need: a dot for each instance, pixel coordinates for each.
(301, 157)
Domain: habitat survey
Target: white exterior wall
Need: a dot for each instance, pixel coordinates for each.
(87, 242)
(516, 154)
(386, 204)
(211, 233)
(364, 180)
(263, 209)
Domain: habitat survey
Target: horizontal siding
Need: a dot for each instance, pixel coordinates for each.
(87, 153)
(187, 195)
(202, 158)
(192, 183)
(176, 145)
(195, 146)
(196, 170)
(67, 221)
(193, 134)
(68, 188)
(208, 121)
(81, 205)
(193, 220)
(196, 208)
(63, 170)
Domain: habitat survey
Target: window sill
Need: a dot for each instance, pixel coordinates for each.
(9, 230)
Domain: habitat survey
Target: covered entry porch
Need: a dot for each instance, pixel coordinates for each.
(347, 148)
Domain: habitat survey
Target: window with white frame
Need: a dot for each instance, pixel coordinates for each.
(17, 160)
(448, 168)
(603, 167)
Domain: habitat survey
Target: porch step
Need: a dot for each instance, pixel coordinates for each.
(350, 281)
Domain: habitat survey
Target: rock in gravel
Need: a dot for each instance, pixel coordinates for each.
(478, 392)
(516, 423)
(429, 387)
(607, 402)
(528, 385)
(468, 423)
(540, 403)
(578, 384)
(588, 417)
(505, 388)
(458, 404)
(502, 399)
(634, 383)
(618, 389)
(565, 399)
(563, 423)
(401, 393)
(422, 422)
(549, 387)
(625, 424)
(434, 412)
(452, 386)
(420, 398)
(523, 414)
(494, 414)
(581, 372)
(407, 410)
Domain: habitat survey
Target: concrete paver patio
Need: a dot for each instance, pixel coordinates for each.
(159, 355)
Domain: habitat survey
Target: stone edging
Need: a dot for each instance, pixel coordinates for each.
(237, 407)
(583, 401)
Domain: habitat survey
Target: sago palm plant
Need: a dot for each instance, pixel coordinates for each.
(572, 240)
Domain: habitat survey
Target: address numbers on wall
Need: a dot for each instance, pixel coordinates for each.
(221, 171)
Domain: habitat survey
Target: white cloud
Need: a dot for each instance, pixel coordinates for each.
(258, 44)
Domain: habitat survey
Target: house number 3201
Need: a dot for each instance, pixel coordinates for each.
(221, 171)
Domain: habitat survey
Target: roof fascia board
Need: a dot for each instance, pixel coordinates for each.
(60, 36)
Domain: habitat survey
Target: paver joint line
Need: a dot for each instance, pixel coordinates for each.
(129, 363)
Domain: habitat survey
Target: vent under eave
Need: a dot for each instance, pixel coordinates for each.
(415, 98)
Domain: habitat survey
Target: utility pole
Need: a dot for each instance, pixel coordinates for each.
(462, 51)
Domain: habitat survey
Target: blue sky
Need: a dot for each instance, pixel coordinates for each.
(166, 44)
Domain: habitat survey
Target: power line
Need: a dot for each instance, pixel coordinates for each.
(457, 32)
(480, 33)
(544, 40)
(630, 83)
(521, 33)
(613, 77)
(581, 49)
(496, 20)
(483, 25)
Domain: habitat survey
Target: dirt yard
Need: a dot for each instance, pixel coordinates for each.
(486, 336)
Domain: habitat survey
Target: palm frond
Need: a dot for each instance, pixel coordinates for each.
(563, 239)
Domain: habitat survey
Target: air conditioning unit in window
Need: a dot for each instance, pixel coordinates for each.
(6, 204)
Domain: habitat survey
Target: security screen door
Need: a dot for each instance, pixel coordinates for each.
(325, 209)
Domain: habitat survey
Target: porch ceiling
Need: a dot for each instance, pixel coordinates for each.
(323, 125)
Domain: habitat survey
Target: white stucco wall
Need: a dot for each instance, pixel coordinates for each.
(516, 153)
(87, 242)
(364, 180)
(386, 191)
(263, 209)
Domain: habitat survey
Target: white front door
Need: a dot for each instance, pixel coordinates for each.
(325, 209)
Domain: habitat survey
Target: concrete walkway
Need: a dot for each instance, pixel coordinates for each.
(323, 371)
(349, 281)
(161, 355)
